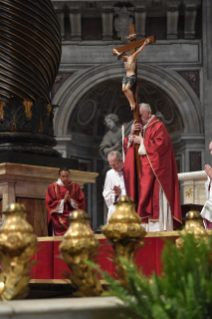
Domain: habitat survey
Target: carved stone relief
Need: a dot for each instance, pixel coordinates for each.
(122, 21)
(192, 77)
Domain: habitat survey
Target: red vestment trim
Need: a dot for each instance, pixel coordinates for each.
(54, 195)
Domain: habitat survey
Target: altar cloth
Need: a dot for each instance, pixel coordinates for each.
(50, 265)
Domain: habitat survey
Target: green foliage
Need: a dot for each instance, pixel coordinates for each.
(184, 291)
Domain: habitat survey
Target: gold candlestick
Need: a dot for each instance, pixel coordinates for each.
(17, 246)
(193, 224)
(79, 244)
(125, 233)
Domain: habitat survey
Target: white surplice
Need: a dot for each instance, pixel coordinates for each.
(112, 179)
(207, 208)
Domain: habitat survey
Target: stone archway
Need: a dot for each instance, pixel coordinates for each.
(171, 82)
(77, 93)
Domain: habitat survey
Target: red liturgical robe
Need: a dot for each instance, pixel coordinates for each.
(54, 202)
(157, 168)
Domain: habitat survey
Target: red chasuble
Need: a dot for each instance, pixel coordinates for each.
(157, 167)
(54, 195)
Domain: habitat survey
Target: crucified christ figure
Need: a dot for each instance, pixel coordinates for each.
(130, 78)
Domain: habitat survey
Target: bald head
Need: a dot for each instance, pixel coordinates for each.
(145, 113)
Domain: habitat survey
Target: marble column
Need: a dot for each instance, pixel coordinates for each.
(172, 18)
(190, 18)
(75, 21)
(59, 9)
(207, 75)
(140, 20)
(107, 23)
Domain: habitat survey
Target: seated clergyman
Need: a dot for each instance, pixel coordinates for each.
(63, 197)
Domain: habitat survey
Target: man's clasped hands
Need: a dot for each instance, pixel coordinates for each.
(67, 197)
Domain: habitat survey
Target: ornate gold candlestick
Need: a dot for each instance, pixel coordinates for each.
(17, 246)
(193, 224)
(125, 233)
(79, 244)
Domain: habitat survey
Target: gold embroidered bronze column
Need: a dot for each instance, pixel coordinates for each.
(30, 45)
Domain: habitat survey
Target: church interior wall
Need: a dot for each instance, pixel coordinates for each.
(87, 63)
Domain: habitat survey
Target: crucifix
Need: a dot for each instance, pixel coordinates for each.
(130, 80)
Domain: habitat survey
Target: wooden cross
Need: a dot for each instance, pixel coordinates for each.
(132, 46)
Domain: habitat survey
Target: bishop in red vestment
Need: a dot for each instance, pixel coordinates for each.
(63, 197)
(157, 192)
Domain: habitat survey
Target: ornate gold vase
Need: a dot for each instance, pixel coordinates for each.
(125, 233)
(79, 244)
(193, 224)
(18, 244)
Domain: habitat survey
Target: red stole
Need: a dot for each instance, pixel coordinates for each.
(54, 195)
(157, 167)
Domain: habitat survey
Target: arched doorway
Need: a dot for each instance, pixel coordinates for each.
(89, 95)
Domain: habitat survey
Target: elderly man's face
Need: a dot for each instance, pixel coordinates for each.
(115, 164)
(210, 148)
(144, 115)
(110, 124)
(65, 177)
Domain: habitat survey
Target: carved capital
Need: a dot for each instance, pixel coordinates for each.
(191, 4)
(74, 7)
(173, 4)
(142, 6)
(58, 5)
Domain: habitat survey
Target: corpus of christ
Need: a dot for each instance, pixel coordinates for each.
(99, 159)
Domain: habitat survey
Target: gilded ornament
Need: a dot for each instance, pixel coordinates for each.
(2, 104)
(125, 232)
(28, 108)
(18, 244)
(79, 244)
(188, 192)
(193, 224)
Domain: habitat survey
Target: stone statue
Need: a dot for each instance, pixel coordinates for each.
(130, 66)
(112, 140)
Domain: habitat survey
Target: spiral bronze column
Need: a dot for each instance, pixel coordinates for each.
(30, 50)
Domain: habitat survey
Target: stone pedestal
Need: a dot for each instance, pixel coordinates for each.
(193, 187)
(27, 184)
(96, 308)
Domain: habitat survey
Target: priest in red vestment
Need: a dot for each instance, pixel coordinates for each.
(63, 197)
(157, 191)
